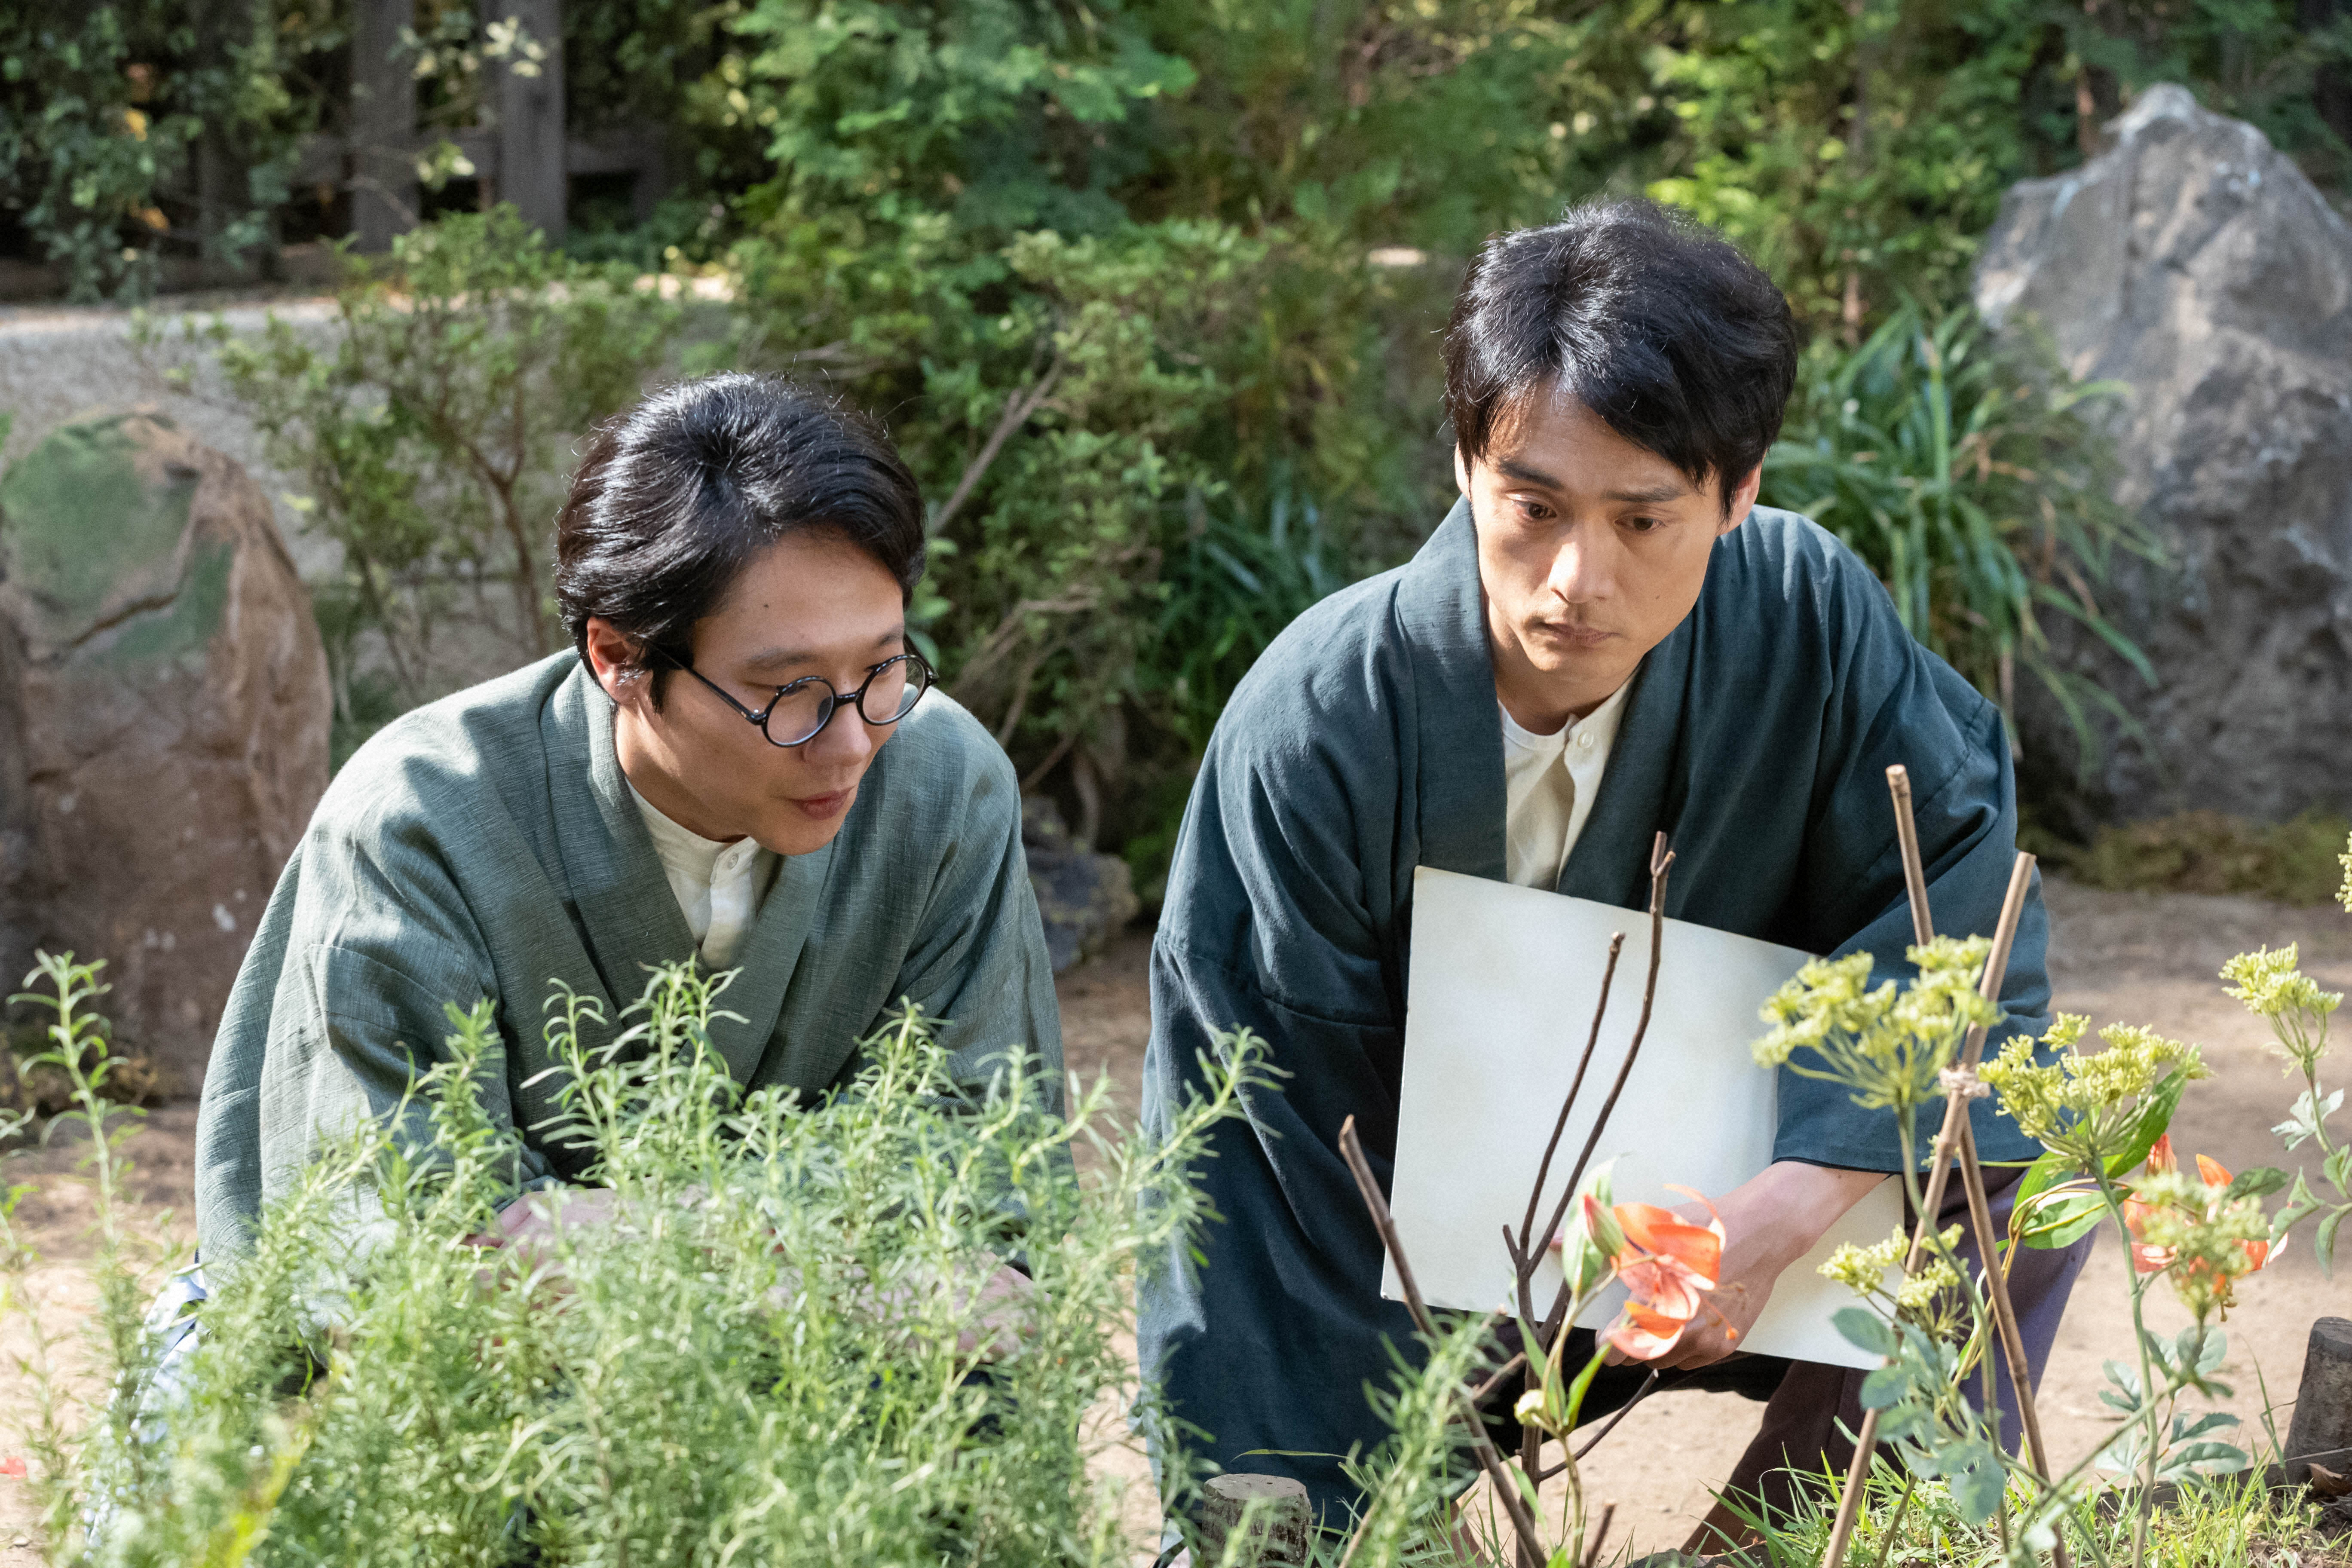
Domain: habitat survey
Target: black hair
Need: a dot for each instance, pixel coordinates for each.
(1681, 345)
(677, 495)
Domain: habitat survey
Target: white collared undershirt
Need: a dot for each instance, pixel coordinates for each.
(1548, 785)
(718, 886)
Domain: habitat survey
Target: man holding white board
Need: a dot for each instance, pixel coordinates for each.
(1604, 639)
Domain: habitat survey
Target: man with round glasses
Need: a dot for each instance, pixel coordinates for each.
(739, 761)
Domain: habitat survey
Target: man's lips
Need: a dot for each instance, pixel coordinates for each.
(821, 806)
(1576, 635)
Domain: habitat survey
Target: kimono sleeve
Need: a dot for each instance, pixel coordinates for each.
(1897, 702)
(1266, 1331)
(341, 1005)
(978, 961)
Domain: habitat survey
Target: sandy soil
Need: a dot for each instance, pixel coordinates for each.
(2130, 957)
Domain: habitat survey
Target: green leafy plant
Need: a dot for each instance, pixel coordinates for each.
(2102, 1118)
(433, 432)
(775, 1347)
(128, 128)
(2293, 862)
(1975, 486)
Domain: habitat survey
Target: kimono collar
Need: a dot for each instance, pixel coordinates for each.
(1456, 734)
(1456, 731)
(624, 897)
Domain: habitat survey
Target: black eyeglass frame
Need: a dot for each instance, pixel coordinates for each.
(835, 701)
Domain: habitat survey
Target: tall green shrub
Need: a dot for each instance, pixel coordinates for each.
(115, 119)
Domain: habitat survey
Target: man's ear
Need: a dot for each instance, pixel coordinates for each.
(1461, 472)
(1743, 501)
(613, 657)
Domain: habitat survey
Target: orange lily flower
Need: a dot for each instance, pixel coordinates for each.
(2213, 1173)
(1666, 1263)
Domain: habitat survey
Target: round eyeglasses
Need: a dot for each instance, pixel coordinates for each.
(795, 715)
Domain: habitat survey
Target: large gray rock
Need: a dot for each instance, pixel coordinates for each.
(163, 684)
(2200, 267)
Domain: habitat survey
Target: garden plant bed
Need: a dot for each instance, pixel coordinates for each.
(2112, 954)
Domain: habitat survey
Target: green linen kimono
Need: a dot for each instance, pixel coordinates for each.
(1367, 741)
(487, 846)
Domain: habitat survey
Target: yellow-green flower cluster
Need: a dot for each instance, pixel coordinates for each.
(2085, 1106)
(2272, 987)
(2208, 1233)
(1885, 1044)
(2344, 893)
(1921, 1298)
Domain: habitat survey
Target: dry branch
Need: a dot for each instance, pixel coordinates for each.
(1523, 1524)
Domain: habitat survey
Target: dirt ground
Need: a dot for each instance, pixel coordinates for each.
(2140, 958)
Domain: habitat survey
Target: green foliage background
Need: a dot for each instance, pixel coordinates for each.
(1147, 289)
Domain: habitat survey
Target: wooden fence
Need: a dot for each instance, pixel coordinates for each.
(523, 156)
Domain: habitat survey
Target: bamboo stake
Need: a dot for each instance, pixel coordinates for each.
(2004, 1308)
(1947, 1143)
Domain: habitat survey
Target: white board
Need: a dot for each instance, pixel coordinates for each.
(1500, 995)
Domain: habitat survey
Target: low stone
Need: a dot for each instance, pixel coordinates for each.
(2320, 1436)
(1272, 1510)
(164, 685)
(2197, 266)
(1085, 898)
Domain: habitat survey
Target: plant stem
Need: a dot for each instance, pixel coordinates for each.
(2146, 1501)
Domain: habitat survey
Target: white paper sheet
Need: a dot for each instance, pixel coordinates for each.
(1502, 987)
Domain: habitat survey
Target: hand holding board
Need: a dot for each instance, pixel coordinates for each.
(1502, 985)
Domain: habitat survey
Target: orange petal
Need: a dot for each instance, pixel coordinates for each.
(1644, 1335)
(1667, 1235)
(2257, 1254)
(2212, 1173)
(1714, 1219)
(2152, 1259)
(1661, 1285)
(2160, 1158)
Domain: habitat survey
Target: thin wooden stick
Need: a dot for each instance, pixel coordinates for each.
(2004, 1308)
(1622, 1411)
(1352, 1148)
(1906, 835)
(1948, 1142)
(1485, 1390)
(1527, 1253)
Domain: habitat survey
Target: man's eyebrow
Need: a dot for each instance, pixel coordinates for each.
(1650, 495)
(785, 657)
(1526, 475)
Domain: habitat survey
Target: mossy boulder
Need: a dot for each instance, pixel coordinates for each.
(164, 715)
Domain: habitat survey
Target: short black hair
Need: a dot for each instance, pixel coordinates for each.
(1681, 345)
(676, 496)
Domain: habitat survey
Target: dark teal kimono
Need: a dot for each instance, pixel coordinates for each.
(1367, 742)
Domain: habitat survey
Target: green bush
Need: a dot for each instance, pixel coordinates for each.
(1976, 484)
(128, 127)
(773, 1353)
(433, 432)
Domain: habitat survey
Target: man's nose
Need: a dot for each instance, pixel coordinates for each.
(844, 739)
(1582, 571)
